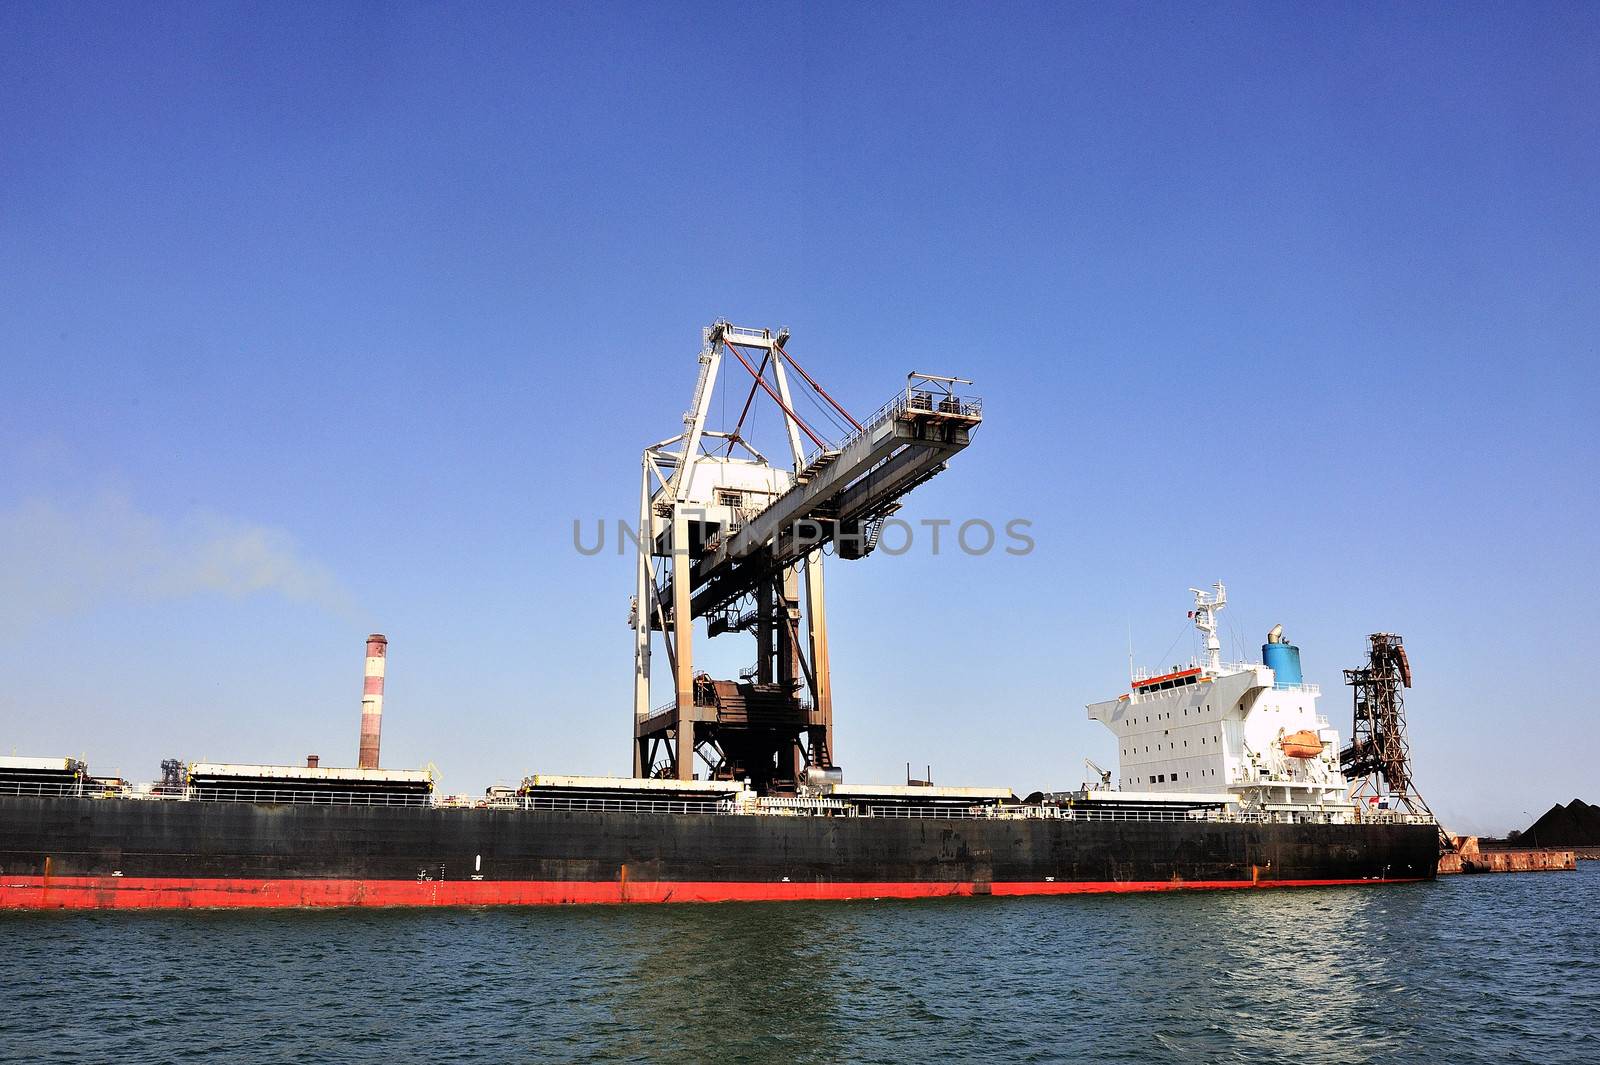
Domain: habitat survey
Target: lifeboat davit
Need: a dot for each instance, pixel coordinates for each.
(1303, 744)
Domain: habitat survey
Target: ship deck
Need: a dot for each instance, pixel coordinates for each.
(742, 804)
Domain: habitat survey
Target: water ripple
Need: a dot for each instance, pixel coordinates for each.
(1477, 969)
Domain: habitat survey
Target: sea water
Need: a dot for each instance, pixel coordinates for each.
(1468, 969)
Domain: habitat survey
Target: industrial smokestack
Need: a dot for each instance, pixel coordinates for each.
(311, 761)
(372, 701)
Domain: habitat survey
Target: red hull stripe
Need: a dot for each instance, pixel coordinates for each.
(94, 893)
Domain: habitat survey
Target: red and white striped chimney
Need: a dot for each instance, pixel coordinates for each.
(372, 700)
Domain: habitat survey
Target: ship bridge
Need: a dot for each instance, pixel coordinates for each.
(1248, 729)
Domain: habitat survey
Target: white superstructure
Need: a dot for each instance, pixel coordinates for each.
(1244, 729)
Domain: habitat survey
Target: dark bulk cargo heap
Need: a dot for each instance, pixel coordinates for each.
(736, 791)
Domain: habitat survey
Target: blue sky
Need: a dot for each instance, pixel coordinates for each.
(321, 320)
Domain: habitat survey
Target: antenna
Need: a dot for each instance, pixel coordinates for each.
(1206, 605)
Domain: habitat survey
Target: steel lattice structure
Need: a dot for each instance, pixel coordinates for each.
(728, 538)
(1378, 758)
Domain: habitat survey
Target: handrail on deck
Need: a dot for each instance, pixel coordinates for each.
(824, 807)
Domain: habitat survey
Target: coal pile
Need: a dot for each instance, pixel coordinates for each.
(1577, 824)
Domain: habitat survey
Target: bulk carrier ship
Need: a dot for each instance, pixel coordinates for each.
(1227, 776)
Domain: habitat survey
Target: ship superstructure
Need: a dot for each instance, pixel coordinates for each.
(1246, 731)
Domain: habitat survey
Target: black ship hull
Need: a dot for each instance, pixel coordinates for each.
(113, 853)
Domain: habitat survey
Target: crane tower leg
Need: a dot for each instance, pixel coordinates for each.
(766, 626)
(642, 613)
(817, 631)
(790, 759)
(683, 640)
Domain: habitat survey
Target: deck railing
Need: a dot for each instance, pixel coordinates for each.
(717, 806)
(909, 400)
(211, 794)
(75, 790)
(323, 798)
(1070, 813)
(640, 806)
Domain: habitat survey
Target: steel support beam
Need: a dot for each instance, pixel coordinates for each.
(817, 631)
(643, 602)
(683, 632)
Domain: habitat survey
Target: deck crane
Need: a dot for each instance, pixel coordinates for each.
(727, 536)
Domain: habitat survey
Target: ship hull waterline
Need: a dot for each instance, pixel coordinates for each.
(115, 854)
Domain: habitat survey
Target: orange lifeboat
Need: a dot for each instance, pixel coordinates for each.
(1303, 744)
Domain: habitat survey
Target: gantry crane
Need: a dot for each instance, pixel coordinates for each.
(727, 536)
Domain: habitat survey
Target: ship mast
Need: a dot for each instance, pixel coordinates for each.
(1206, 605)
